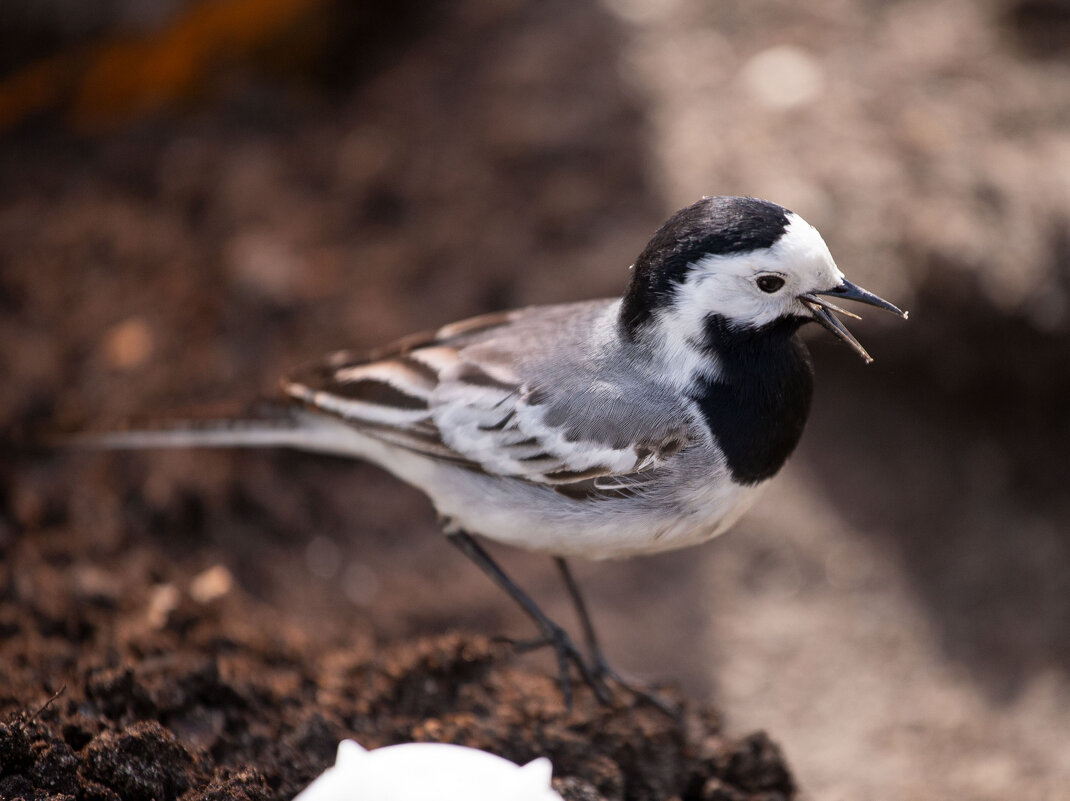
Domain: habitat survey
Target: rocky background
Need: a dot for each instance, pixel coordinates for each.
(196, 196)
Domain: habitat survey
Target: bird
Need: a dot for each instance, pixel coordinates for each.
(599, 429)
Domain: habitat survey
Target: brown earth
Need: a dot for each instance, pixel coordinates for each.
(160, 695)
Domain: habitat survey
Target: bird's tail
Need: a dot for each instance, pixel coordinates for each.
(267, 426)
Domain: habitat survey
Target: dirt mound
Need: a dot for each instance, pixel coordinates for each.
(160, 696)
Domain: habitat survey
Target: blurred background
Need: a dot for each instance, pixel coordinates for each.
(197, 195)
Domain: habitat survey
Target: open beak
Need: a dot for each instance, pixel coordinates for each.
(823, 311)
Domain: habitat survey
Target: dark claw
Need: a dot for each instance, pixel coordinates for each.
(642, 692)
(565, 652)
(522, 646)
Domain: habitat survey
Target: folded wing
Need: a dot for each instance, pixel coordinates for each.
(466, 394)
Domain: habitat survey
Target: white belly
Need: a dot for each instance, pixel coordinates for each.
(668, 514)
(539, 519)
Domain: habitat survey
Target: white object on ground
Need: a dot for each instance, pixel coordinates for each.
(420, 771)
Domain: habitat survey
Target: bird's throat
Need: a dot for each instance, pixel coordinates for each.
(758, 403)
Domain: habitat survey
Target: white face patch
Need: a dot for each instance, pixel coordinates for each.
(728, 285)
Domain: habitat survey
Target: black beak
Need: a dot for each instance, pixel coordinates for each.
(823, 311)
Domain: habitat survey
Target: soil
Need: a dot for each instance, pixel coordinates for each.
(149, 693)
(210, 624)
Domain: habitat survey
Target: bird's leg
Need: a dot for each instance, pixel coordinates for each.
(552, 633)
(600, 668)
(598, 658)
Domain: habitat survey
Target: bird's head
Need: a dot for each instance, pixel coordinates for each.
(749, 263)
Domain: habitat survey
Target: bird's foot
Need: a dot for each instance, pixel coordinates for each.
(567, 655)
(525, 646)
(642, 691)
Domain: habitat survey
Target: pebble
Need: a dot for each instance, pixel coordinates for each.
(129, 344)
(210, 584)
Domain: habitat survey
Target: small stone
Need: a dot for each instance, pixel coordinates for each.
(163, 601)
(211, 584)
(129, 344)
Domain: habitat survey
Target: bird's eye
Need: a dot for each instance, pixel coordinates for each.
(770, 283)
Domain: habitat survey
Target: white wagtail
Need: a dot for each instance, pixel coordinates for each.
(600, 429)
